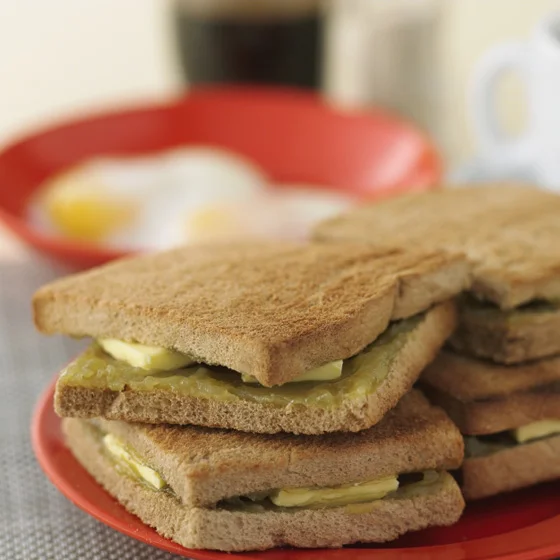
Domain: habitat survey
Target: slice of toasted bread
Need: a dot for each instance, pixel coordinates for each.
(236, 531)
(485, 398)
(414, 438)
(511, 469)
(204, 466)
(352, 412)
(510, 233)
(271, 310)
(508, 337)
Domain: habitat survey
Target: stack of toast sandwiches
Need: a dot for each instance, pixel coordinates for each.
(254, 395)
(499, 376)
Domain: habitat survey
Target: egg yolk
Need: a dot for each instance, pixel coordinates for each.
(212, 222)
(85, 215)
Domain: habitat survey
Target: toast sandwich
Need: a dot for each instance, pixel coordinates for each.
(234, 491)
(257, 337)
(509, 233)
(509, 415)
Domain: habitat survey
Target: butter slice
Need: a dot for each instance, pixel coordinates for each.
(145, 357)
(536, 430)
(336, 495)
(327, 372)
(123, 456)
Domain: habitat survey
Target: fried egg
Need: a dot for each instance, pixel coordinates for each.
(184, 195)
(143, 202)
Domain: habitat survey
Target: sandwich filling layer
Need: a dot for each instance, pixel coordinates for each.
(522, 314)
(480, 446)
(129, 463)
(153, 358)
(327, 386)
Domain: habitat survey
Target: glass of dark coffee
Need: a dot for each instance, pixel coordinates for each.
(249, 41)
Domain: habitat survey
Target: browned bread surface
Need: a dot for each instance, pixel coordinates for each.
(468, 379)
(353, 414)
(204, 465)
(220, 529)
(485, 398)
(508, 337)
(511, 469)
(492, 416)
(510, 233)
(272, 310)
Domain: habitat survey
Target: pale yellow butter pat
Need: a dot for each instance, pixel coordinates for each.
(122, 455)
(145, 357)
(327, 372)
(537, 430)
(336, 495)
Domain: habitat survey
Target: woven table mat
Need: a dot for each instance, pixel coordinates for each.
(36, 521)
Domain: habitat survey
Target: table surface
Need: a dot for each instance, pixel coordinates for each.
(37, 522)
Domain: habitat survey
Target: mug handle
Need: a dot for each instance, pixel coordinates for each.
(494, 141)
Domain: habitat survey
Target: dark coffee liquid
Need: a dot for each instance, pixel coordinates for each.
(272, 51)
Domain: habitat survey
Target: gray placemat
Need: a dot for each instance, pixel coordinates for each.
(36, 522)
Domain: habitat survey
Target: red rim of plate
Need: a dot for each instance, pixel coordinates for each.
(426, 174)
(538, 541)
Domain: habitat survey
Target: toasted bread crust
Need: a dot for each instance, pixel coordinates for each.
(468, 379)
(510, 235)
(484, 398)
(240, 531)
(272, 310)
(511, 469)
(493, 416)
(204, 466)
(500, 338)
(352, 415)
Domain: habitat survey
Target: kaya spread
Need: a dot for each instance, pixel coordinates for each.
(355, 496)
(337, 381)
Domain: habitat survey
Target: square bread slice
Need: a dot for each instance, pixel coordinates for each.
(356, 401)
(270, 310)
(205, 469)
(510, 469)
(509, 232)
(486, 401)
(485, 398)
(508, 337)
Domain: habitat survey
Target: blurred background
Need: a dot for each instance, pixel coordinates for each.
(65, 56)
(472, 86)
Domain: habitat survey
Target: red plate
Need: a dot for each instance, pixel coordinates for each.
(292, 135)
(522, 526)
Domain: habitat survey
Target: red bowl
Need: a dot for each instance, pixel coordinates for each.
(292, 135)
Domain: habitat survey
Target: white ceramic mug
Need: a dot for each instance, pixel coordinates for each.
(537, 62)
